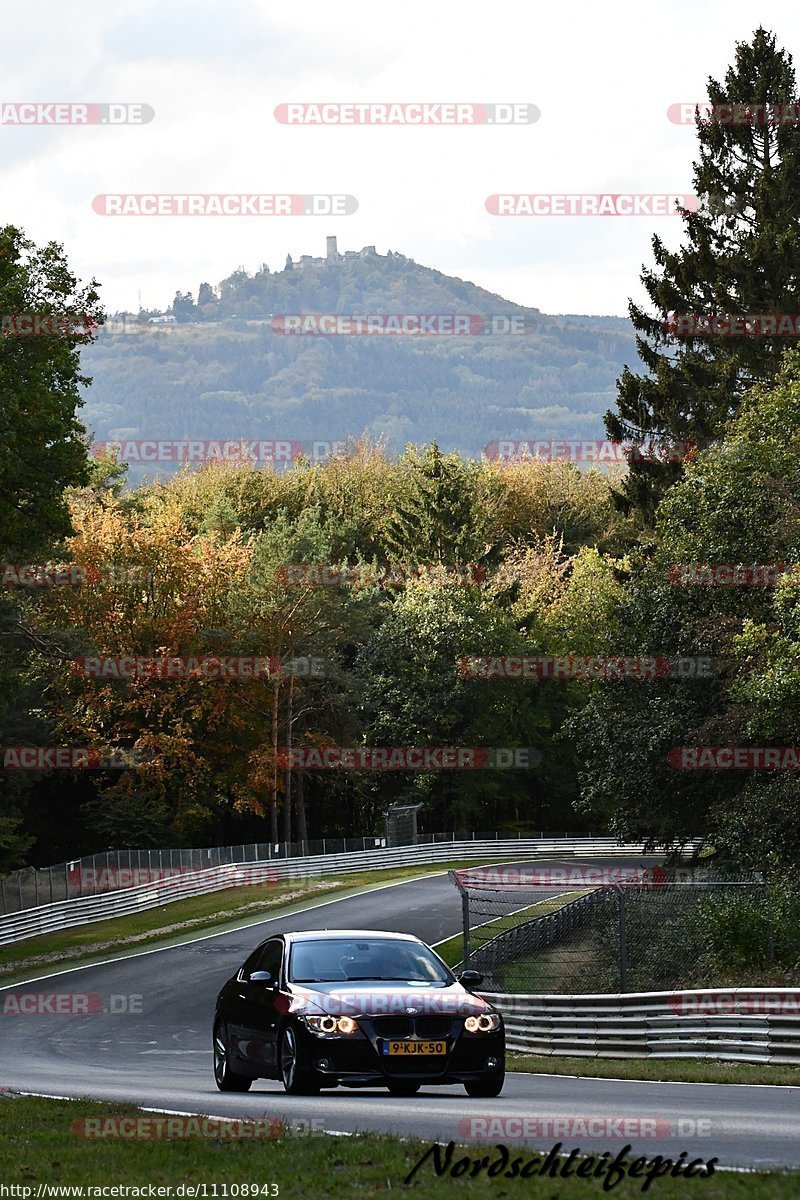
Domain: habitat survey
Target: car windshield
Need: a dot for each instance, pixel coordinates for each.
(359, 959)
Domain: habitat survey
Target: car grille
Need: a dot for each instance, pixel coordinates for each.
(393, 1027)
(406, 1027)
(433, 1027)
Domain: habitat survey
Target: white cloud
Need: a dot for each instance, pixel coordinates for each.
(602, 75)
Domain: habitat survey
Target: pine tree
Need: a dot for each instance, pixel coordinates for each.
(742, 256)
(436, 517)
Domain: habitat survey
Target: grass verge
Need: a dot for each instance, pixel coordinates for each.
(451, 950)
(673, 1070)
(85, 943)
(37, 1145)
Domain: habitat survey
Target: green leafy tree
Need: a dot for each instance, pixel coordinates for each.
(738, 503)
(183, 308)
(42, 452)
(207, 303)
(42, 443)
(414, 695)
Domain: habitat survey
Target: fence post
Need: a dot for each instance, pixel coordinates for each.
(623, 947)
(465, 929)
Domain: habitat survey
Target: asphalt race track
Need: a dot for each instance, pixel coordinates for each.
(149, 1042)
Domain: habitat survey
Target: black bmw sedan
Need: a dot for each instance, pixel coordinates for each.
(355, 1008)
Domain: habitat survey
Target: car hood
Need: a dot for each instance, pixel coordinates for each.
(384, 1000)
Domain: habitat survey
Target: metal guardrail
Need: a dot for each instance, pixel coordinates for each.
(64, 914)
(110, 870)
(758, 1025)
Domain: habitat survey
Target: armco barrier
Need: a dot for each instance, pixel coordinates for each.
(758, 1025)
(112, 869)
(63, 914)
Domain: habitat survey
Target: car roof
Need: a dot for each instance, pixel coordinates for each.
(338, 934)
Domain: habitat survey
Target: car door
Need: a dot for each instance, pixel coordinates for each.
(259, 1013)
(233, 1004)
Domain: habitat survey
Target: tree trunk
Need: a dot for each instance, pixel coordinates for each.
(273, 800)
(302, 828)
(287, 796)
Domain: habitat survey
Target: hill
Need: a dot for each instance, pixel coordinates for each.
(225, 370)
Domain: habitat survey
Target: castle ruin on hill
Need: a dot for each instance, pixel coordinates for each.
(332, 255)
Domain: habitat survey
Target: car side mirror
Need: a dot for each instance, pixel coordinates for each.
(262, 977)
(471, 979)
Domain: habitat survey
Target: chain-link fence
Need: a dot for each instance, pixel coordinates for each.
(114, 869)
(580, 929)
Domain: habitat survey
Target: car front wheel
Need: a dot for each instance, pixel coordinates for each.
(227, 1080)
(485, 1088)
(297, 1080)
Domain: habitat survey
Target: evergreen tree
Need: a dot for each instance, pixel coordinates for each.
(207, 303)
(742, 256)
(183, 308)
(437, 517)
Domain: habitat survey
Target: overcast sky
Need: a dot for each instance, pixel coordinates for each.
(603, 76)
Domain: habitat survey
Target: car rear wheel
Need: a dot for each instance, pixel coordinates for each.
(492, 1086)
(227, 1080)
(297, 1080)
(404, 1087)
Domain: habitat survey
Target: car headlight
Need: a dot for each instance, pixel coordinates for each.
(485, 1023)
(331, 1026)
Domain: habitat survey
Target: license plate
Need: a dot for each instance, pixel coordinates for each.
(401, 1048)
